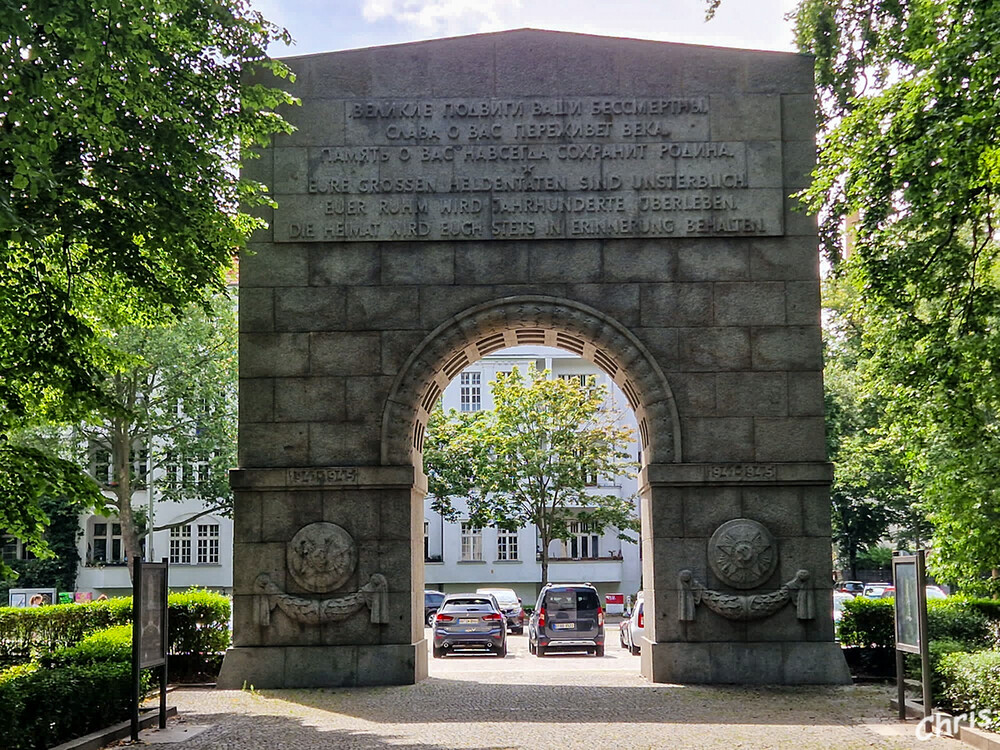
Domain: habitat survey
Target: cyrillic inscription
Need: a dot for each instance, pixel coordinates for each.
(528, 169)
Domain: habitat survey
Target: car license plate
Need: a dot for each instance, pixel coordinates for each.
(468, 621)
(564, 626)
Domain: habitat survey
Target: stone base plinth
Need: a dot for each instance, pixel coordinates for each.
(323, 666)
(753, 663)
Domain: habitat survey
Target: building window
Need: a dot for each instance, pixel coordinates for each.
(506, 545)
(584, 380)
(427, 542)
(102, 466)
(470, 393)
(180, 545)
(200, 470)
(583, 542)
(208, 544)
(140, 464)
(13, 549)
(472, 542)
(106, 544)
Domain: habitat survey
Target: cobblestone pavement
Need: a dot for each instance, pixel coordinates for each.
(521, 701)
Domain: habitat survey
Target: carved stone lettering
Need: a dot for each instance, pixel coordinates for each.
(742, 472)
(322, 477)
(587, 167)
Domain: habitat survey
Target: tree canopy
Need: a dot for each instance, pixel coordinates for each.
(532, 459)
(909, 164)
(121, 130)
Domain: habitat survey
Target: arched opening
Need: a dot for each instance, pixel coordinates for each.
(458, 361)
(537, 320)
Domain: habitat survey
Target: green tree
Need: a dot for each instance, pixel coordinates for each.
(172, 410)
(121, 130)
(871, 491)
(909, 161)
(531, 459)
(58, 567)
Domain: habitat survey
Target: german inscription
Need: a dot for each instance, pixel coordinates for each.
(505, 169)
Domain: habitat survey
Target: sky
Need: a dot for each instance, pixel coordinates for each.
(330, 25)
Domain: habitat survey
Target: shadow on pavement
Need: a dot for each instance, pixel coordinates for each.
(242, 732)
(437, 700)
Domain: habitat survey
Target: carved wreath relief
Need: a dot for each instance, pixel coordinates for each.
(321, 557)
(743, 554)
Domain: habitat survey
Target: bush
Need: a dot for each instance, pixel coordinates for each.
(869, 622)
(69, 692)
(112, 644)
(40, 708)
(971, 682)
(198, 623)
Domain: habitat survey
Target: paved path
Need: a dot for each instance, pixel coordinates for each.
(560, 702)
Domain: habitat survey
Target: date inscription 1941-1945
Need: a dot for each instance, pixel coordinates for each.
(322, 477)
(741, 472)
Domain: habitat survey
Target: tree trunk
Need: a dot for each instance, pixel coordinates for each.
(121, 450)
(853, 562)
(545, 560)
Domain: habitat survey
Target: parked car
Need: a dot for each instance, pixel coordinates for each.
(933, 592)
(874, 590)
(510, 605)
(839, 597)
(854, 588)
(567, 616)
(432, 600)
(469, 622)
(631, 629)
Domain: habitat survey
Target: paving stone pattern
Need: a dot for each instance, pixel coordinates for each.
(557, 702)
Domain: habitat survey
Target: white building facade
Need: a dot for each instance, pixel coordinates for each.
(459, 557)
(200, 550)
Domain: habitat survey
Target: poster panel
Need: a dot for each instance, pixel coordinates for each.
(152, 612)
(907, 605)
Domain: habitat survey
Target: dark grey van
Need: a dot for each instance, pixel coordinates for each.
(567, 616)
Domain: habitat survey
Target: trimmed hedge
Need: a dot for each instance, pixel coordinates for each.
(68, 693)
(198, 623)
(971, 682)
(869, 622)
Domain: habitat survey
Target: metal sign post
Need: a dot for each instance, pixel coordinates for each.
(910, 610)
(150, 637)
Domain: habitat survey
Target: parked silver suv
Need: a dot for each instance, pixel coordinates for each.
(567, 616)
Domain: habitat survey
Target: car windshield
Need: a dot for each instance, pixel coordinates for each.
(434, 599)
(933, 593)
(504, 598)
(559, 600)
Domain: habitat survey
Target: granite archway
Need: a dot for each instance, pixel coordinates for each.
(623, 199)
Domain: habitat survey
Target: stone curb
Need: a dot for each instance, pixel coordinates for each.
(100, 738)
(972, 736)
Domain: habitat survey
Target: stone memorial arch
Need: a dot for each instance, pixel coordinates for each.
(624, 200)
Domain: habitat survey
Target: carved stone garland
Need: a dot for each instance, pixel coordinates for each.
(742, 553)
(321, 557)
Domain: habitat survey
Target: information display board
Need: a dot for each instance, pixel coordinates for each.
(907, 606)
(149, 632)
